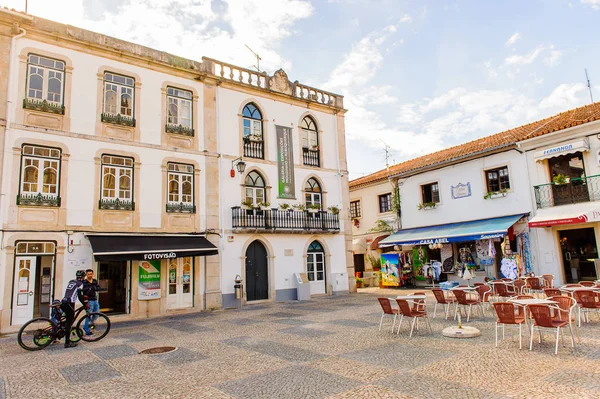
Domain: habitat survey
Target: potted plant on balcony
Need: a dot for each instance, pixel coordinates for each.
(255, 137)
(334, 209)
(264, 205)
(248, 203)
(284, 206)
(299, 207)
(495, 194)
(426, 205)
(314, 208)
(314, 147)
(560, 179)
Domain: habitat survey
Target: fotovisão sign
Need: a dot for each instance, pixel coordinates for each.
(285, 162)
(149, 280)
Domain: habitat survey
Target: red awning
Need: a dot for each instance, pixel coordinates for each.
(375, 243)
(567, 214)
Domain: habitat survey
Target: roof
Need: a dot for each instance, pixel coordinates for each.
(564, 120)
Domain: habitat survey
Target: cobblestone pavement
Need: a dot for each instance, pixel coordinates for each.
(329, 347)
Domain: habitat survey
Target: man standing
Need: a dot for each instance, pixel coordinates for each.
(91, 289)
(72, 293)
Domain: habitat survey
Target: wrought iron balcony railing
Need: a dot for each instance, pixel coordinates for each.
(38, 200)
(310, 157)
(44, 106)
(179, 129)
(284, 221)
(118, 119)
(576, 190)
(116, 204)
(180, 208)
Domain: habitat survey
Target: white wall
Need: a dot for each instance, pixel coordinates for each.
(474, 207)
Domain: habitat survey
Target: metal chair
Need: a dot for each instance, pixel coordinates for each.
(461, 299)
(587, 301)
(542, 319)
(440, 299)
(386, 306)
(533, 285)
(485, 292)
(552, 292)
(519, 284)
(587, 283)
(506, 316)
(548, 280)
(406, 311)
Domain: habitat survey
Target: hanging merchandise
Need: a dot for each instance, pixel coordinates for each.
(509, 268)
(526, 252)
(419, 259)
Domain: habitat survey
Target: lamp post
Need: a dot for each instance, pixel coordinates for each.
(238, 164)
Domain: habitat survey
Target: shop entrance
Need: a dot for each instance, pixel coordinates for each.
(315, 268)
(33, 285)
(179, 293)
(257, 274)
(113, 277)
(578, 253)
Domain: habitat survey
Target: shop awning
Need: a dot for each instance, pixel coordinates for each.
(566, 214)
(566, 148)
(375, 243)
(149, 247)
(454, 232)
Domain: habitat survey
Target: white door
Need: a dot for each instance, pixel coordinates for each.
(23, 289)
(179, 290)
(316, 272)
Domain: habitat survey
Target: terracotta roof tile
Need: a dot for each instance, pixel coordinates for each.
(564, 120)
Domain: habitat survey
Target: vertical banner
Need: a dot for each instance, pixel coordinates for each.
(285, 162)
(389, 270)
(149, 280)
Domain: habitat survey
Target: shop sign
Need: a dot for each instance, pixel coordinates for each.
(461, 190)
(579, 145)
(285, 162)
(149, 280)
(165, 255)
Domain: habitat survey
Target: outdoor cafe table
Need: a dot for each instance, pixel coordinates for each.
(527, 302)
(408, 297)
(571, 290)
(463, 289)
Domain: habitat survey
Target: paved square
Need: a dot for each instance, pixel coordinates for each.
(324, 348)
(80, 374)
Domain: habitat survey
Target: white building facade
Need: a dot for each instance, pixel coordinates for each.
(118, 158)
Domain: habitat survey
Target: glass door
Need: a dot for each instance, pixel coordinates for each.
(24, 287)
(180, 280)
(316, 272)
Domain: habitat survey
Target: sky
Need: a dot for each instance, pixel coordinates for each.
(417, 76)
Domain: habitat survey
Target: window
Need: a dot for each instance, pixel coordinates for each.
(310, 141)
(118, 99)
(179, 111)
(253, 132)
(355, 209)
(385, 203)
(117, 183)
(255, 188)
(430, 193)
(45, 84)
(40, 171)
(312, 194)
(180, 194)
(497, 179)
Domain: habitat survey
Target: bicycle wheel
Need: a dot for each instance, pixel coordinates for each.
(99, 326)
(75, 335)
(36, 334)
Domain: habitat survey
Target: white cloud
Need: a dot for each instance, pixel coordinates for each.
(535, 79)
(492, 72)
(595, 4)
(553, 58)
(377, 95)
(189, 28)
(511, 40)
(406, 18)
(565, 96)
(524, 59)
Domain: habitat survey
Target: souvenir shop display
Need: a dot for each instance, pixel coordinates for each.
(390, 276)
(406, 269)
(419, 260)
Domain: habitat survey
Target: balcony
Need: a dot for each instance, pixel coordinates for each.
(283, 221)
(253, 148)
(575, 191)
(310, 157)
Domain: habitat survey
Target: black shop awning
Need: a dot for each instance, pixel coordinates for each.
(149, 247)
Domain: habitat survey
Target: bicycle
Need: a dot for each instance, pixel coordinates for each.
(40, 332)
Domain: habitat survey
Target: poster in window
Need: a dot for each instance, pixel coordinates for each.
(149, 280)
(22, 299)
(389, 270)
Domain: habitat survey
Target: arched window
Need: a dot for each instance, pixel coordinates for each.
(310, 137)
(253, 132)
(252, 122)
(310, 142)
(312, 193)
(315, 266)
(255, 188)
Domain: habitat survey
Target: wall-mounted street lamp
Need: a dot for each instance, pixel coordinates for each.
(238, 164)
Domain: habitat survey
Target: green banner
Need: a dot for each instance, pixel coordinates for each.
(285, 162)
(149, 280)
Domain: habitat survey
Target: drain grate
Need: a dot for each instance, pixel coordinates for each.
(158, 350)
